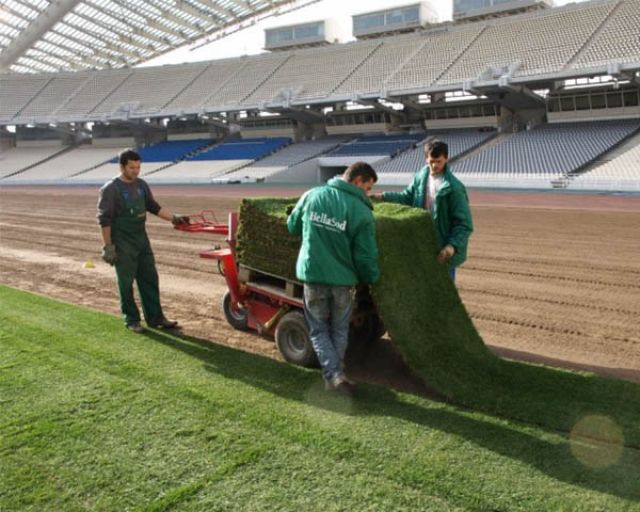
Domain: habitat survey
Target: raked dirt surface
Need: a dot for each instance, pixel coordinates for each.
(551, 278)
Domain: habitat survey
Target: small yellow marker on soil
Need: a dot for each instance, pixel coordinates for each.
(88, 264)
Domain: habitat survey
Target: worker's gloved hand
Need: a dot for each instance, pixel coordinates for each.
(109, 254)
(289, 209)
(446, 253)
(180, 220)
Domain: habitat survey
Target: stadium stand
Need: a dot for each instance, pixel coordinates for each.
(252, 72)
(299, 74)
(549, 41)
(459, 142)
(218, 160)
(77, 104)
(619, 37)
(438, 51)
(195, 171)
(14, 160)
(46, 102)
(172, 150)
(376, 70)
(97, 175)
(282, 160)
(534, 44)
(206, 85)
(154, 157)
(529, 52)
(147, 90)
(242, 149)
(546, 152)
(384, 145)
(620, 173)
(17, 91)
(66, 164)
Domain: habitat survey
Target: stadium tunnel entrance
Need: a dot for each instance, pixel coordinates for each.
(326, 173)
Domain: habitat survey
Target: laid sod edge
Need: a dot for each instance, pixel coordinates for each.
(428, 322)
(97, 418)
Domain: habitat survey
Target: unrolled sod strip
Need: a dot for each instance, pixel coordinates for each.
(429, 324)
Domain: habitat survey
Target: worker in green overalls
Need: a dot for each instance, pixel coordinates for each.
(122, 213)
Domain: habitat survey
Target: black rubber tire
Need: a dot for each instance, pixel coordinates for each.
(237, 319)
(292, 339)
(221, 267)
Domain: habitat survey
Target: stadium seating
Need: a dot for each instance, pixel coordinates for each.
(202, 171)
(541, 43)
(242, 149)
(619, 37)
(283, 159)
(252, 72)
(77, 104)
(439, 50)
(622, 173)
(15, 159)
(66, 164)
(17, 91)
(550, 41)
(383, 145)
(549, 151)
(48, 100)
(171, 150)
(98, 175)
(205, 86)
(459, 142)
(299, 74)
(147, 90)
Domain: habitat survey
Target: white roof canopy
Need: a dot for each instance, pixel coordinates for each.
(56, 35)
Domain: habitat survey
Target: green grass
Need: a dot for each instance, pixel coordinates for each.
(428, 322)
(97, 418)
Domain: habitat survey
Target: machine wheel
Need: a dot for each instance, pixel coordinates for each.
(237, 318)
(221, 267)
(292, 339)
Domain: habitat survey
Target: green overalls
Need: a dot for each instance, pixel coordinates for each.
(135, 260)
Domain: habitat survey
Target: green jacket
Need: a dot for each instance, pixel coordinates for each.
(451, 214)
(338, 235)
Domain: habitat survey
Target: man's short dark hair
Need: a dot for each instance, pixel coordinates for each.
(436, 149)
(362, 169)
(127, 155)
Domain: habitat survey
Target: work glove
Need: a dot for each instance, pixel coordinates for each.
(289, 209)
(180, 220)
(109, 254)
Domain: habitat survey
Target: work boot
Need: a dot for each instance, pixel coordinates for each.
(164, 324)
(135, 327)
(340, 384)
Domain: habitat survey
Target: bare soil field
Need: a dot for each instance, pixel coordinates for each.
(551, 278)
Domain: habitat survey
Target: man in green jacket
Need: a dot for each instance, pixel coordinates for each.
(437, 190)
(338, 251)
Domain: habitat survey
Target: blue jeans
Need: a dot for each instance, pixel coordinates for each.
(328, 313)
(452, 274)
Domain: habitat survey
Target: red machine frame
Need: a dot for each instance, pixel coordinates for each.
(269, 304)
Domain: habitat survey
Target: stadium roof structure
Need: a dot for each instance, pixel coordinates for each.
(70, 35)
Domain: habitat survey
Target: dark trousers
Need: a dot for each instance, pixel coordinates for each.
(141, 267)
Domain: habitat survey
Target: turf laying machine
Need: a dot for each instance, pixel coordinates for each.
(272, 305)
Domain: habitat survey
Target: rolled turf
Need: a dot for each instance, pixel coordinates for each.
(429, 324)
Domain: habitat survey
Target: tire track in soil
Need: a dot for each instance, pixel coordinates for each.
(561, 303)
(556, 263)
(535, 275)
(549, 328)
